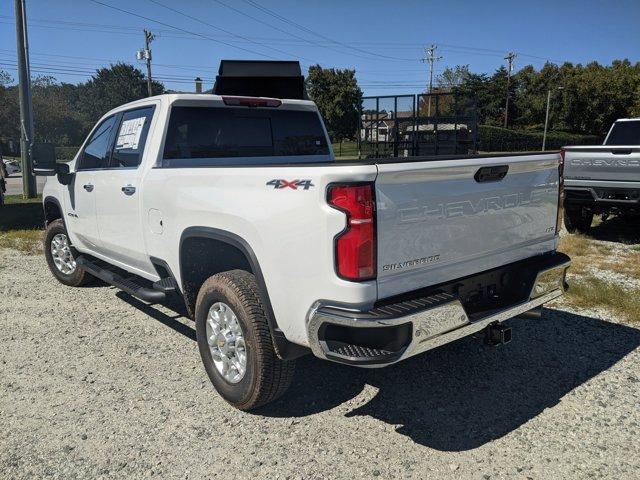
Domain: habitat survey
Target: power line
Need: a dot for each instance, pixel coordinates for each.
(174, 66)
(133, 30)
(312, 32)
(179, 29)
(218, 28)
(43, 69)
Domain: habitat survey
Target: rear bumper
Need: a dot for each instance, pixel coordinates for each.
(603, 197)
(393, 332)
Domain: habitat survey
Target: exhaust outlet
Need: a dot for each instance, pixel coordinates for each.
(497, 334)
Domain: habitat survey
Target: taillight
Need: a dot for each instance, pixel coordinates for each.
(251, 101)
(355, 246)
(560, 192)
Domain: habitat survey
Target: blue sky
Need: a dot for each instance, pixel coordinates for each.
(382, 40)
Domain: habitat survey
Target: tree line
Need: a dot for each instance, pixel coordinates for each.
(64, 112)
(586, 99)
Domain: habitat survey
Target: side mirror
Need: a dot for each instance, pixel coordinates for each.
(63, 173)
(43, 157)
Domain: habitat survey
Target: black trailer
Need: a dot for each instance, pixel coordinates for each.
(417, 125)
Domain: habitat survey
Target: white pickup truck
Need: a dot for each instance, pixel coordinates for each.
(605, 179)
(238, 205)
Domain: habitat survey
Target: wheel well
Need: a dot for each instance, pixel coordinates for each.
(51, 211)
(202, 257)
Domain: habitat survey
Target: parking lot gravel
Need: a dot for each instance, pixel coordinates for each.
(95, 384)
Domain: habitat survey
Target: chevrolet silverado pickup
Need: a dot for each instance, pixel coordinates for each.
(237, 205)
(603, 180)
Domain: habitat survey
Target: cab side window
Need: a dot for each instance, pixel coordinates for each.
(131, 138)
(98, 148)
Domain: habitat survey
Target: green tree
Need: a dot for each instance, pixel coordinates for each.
(453, 77)
(591, 97)
(111, 87)
(339, 99)
(56, 119)
(9, 109)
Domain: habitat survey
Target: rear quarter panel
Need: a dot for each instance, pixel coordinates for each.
(290, 230)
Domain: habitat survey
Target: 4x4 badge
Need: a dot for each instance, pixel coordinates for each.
(293, 184)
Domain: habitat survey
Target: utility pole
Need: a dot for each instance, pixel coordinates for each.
(509, 58)
(546, 119)
(430, 58)
(145, 54)
(29, 188)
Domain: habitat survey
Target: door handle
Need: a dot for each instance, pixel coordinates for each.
(88, 187)
(128, 189)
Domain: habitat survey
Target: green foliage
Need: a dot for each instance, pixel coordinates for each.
(584, 98)
(338, 97)
(9, 109)
(66, 154)
(64, 113)
(110, 87)
(347, 149)
(498, 139)
(453, 77)
(21, 223)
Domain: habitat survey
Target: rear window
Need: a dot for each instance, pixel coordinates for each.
(198, 134)
(624, 133)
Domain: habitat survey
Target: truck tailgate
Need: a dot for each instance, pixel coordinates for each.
(445, 219)
(603, 163)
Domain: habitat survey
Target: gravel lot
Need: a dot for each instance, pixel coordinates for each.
(96, 384)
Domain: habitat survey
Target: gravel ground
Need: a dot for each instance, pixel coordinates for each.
(94, 384)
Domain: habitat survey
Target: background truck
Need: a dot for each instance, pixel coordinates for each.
(237, 205)
(603, 180)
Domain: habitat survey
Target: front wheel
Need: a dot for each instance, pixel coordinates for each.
(235, 342)
(577, 219)
(61, 256)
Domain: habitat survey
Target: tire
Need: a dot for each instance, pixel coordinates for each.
(266, 377)
(73, 278)
(577, 219)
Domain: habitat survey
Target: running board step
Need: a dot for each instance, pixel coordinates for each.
(166, 285)
(128, 285)
(358, 354)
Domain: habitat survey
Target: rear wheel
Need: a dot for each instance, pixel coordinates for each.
(577, 219)
(235, 342)
(61, 256)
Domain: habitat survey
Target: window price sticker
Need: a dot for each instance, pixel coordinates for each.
(130, 132)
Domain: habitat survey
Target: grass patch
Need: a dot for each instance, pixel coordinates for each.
(349, 150)
(26, 241)
(591, 292)
(584, 252)
(587, 290)
(587, 253)
(21, 223)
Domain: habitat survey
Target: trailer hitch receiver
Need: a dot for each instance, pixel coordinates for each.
(497, 334)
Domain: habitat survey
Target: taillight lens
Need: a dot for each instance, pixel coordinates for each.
(251, 101)
(355, 246)
(560, 192)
